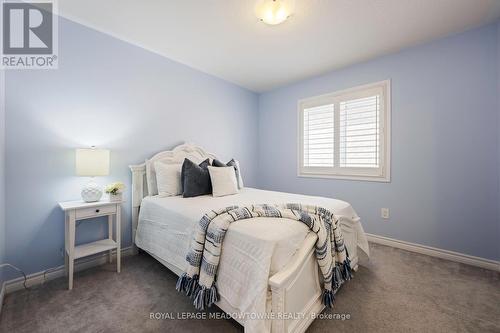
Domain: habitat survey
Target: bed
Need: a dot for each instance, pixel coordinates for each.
(268, 277)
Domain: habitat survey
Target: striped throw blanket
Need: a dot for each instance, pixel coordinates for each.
(199, 280)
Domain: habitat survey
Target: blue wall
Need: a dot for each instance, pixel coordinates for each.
(445, 163)
(498, 128)
(2, 172)
(110, 94)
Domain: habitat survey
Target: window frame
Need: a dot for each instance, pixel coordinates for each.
(381, 174)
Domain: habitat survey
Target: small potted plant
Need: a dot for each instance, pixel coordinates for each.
(115, 191)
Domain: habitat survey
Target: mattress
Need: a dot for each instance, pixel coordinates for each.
(253, 250)
(166, 224)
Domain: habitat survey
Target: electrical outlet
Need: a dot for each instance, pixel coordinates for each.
(384, 213)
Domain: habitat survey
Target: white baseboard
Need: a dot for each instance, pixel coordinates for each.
(56, 272)
(435, 252)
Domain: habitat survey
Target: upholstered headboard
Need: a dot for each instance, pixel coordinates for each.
(139, 181)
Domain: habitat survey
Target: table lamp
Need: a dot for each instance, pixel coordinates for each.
(92, 162)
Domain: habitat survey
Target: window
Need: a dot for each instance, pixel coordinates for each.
(346, 134)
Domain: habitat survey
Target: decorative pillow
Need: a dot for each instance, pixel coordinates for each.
(236, 166)
(223, 180)
(151, 176)
(168, 179)
(195, 178)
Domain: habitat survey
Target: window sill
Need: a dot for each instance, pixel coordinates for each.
(380, 179)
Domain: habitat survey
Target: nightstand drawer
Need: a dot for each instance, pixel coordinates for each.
(95, 211)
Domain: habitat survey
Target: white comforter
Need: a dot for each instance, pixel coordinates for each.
(253, 249)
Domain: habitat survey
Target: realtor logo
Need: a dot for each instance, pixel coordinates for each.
(29, 35)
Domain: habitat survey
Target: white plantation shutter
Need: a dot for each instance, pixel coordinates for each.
(346, 134)
(318, 136)
(359, 132)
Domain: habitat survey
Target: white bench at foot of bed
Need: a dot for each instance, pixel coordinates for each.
(296, 289)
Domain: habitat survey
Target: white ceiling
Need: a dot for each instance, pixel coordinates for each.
(225, 39)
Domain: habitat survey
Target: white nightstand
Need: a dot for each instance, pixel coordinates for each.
(79, 210)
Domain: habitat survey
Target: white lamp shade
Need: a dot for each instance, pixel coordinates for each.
(92, 162)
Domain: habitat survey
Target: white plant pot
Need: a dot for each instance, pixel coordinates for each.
(115, 197)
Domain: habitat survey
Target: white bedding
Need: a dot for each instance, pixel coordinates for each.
(253, 249)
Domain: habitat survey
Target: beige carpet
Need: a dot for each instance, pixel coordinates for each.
(397, 291)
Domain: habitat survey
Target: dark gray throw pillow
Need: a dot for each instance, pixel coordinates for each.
(217, 163)
(195, 178)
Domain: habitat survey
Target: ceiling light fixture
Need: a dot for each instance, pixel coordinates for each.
(273, 12)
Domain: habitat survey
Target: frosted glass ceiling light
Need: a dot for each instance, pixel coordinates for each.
(273, 12)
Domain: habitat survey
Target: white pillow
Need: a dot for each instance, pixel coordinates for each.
(151, 178)
(168, 179)
(224, 181)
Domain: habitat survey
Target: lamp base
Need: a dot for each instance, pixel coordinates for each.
(91, 192)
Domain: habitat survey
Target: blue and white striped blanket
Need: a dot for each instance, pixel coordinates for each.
(199, 280)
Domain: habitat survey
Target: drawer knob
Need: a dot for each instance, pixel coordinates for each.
(97, 210)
